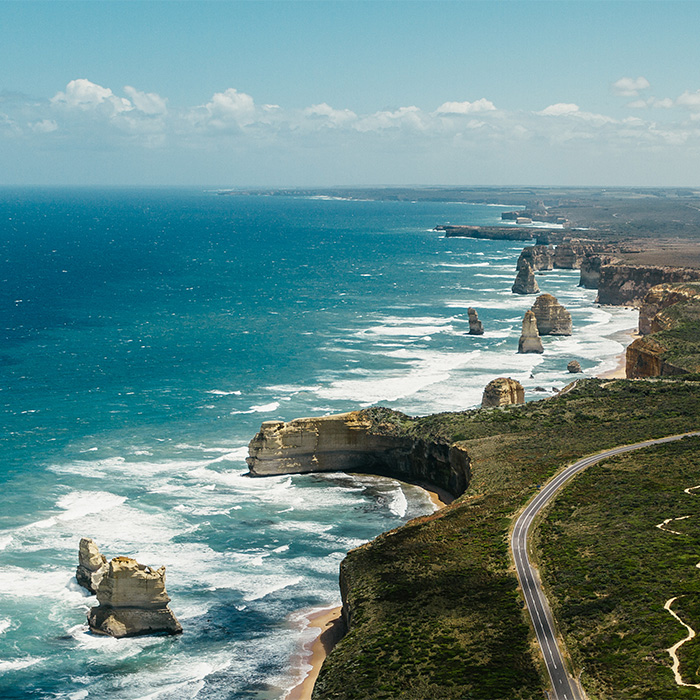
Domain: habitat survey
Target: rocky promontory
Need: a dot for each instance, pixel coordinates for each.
(503, 391)
(626, 285)
(360, 441)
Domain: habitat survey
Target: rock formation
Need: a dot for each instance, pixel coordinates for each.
(644, 358)
(539, 257)
(590, 269)
(574, 367)
(530, 339)
(570, 256)
(132, 601)
(91, 565)
(627, 285)
(552, 317)
(475, 326)
(347, 442)
(502, 392)
(525, 282)
(659, 298)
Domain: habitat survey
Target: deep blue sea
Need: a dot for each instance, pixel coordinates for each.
(146, 334)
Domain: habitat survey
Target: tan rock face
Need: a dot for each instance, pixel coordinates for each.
(539, 257)
(659, 298)
(552, 317)
(503, 391)
(91, 565)
(530, 339)
(574, 367)
(525, 282)
(475, 325)
(627, 285)
(132, 601)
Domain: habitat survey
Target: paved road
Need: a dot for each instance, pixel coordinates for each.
(564, 687)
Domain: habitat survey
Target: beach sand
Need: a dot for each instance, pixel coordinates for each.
(618, 372)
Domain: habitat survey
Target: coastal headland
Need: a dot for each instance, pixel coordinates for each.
(433, 608)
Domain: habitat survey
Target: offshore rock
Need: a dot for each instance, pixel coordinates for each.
(355, 442)
(91, 565)
(530, 339)
(475, 325)
(503, 391)
(574, 367)
(539, 257)
(132, 601)
(659, 298)
(525, 282)
(627, 285)
(552, 317)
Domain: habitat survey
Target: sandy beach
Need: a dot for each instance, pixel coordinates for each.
(618, 372)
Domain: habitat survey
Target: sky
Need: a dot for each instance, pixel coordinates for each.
(258, 93)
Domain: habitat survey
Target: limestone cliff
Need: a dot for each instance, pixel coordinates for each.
(132, 601)
(503, 391)
(475, 325)
(626, 285)
(530, 338)
(552, 317)
(525, 282)
(570, 255)
(351, 442)
(539, 257)
(590, 269)
(661, 297)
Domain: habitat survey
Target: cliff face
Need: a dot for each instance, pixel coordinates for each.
(347, 442)
(590, 270)
(645, 358)
(626, 285)
(661, 297)
(570, 256)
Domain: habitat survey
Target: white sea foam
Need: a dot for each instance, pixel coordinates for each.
(221, 392)
(5, 624)
(398, 504)
(17, 664)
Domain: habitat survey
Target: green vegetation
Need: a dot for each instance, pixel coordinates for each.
(682, 338)
(610, 570)
(435, 610)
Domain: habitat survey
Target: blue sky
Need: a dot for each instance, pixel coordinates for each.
(258, 93)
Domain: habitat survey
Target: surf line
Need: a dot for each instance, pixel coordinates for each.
(672, 651)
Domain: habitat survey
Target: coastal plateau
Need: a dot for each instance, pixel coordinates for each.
(433, 608)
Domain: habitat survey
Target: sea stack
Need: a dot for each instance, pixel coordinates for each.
(530, 339)
(475, 326)
(503, 391)
(552, 317)
(574, 367)
(525, 282)
(539, 257)
(91, 565)
(132, 601)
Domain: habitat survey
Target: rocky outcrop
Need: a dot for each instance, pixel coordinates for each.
(539, 257)
(590, 269)
(552, 317)
(530, 339)
(349, 442)
(574, 367)
(132, 601)
(627, 285)
(525, 282)
(645, 358)
(91, 565)
(499, 233)
(503, 391)
(475, 325)
(659, 298)
(570, 255)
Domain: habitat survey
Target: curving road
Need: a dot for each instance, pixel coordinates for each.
(564, 687)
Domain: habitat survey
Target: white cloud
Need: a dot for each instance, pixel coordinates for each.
(411, 117)
(690, 100)
(231, 106)
(481, 105)
(630, 87)
(146, 102)
(336, 117)
(559, 109)
(664, 103)
(83, 94)
(45, 126)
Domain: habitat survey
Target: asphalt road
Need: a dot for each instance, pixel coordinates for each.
(564, 687)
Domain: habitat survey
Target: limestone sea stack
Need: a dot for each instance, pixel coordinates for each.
(132, 601)
(530, 339)
(574, 367)
(525, 282)
(475, 325)
(91, 565)
(503, 391)
(552, 317)
(539, 257)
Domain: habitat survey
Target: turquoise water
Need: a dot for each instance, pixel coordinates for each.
(145, 336)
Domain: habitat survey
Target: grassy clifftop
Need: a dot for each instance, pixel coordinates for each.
(434, 606)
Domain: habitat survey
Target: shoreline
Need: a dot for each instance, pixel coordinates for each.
(619, 370)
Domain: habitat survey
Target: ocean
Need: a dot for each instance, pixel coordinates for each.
(146, 334)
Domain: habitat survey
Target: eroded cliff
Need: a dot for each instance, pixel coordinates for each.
(626, 285)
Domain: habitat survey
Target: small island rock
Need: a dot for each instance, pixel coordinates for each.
(552, 317)
(530, 339)
(574, 367)
(132, 601)
(91, 565)
(475, 325)
(525, 282)
(503, 391)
